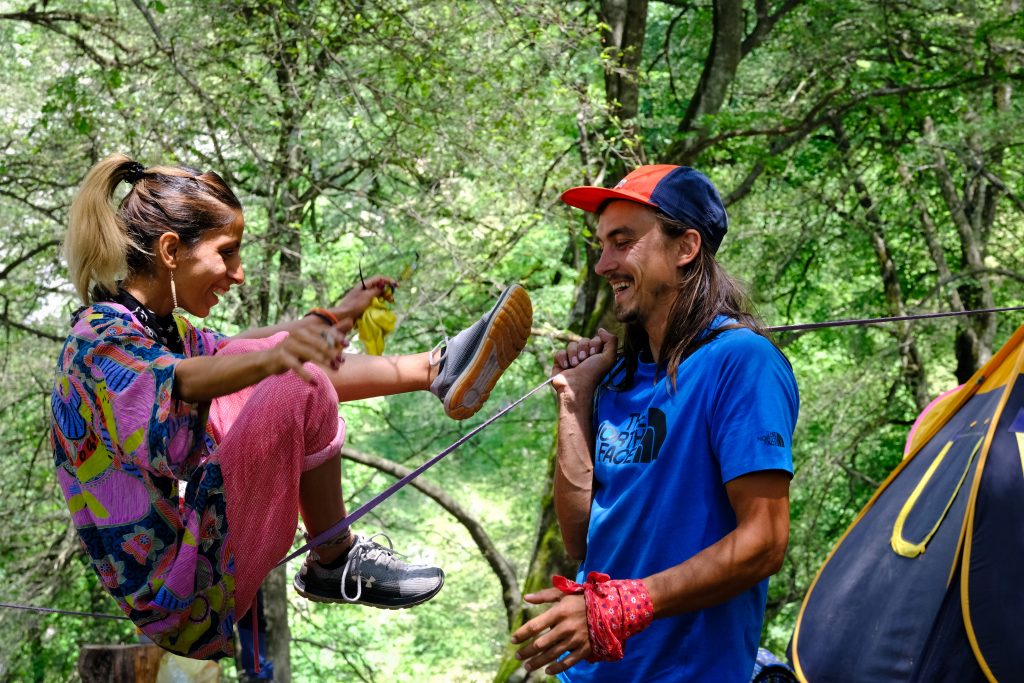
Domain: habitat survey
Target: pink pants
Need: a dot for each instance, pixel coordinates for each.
(268, 435)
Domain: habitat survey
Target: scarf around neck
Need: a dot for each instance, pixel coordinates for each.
(160, 328)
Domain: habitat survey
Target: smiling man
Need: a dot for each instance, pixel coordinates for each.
(674, 454)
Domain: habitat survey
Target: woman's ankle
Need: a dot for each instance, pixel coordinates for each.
(335, 550)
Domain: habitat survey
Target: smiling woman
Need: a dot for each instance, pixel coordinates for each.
(143, 400)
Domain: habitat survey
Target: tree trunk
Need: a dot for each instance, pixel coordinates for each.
(623, 39)
(720, 65)
(912, 364)
(976, 335)
(127, 663)
(279, 634)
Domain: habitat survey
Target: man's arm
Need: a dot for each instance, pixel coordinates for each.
(574, 472)
(578, 370)
(750, 553)
(745, 556)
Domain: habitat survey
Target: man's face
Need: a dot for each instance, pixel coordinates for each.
(639, 262)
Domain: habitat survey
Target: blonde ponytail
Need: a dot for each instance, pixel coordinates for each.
(105, 244)
(96, 245)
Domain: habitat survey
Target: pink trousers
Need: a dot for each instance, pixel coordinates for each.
(268, 435)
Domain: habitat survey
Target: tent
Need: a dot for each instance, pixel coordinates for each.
(927, 584)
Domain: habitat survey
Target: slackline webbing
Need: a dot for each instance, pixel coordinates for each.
(401, 483)
(391, 490)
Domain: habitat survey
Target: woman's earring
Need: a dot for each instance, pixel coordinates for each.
(174, 292)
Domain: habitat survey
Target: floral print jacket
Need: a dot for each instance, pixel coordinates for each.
(121, 444)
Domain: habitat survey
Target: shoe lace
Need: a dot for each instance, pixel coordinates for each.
(441, 349)
(362, 551)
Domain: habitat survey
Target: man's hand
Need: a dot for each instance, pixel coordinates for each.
(561, 629)
(359, 298)
(581, 365)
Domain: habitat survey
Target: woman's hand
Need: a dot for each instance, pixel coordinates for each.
(359, 298)
(323, 346)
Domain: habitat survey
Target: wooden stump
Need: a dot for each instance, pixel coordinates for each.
(127, 663)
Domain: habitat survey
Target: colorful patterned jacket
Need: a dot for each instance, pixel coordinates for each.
(121, 443)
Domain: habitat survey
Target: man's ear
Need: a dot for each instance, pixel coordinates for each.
(688, 246)
(168, 250)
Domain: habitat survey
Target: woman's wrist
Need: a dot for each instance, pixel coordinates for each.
(324, 315)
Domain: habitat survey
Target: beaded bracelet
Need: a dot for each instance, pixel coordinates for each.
(325, 315)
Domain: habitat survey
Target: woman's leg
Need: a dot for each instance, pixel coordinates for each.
(461, 373)
(362, 376)
(273, 438)
(321, 505)
(280, 442)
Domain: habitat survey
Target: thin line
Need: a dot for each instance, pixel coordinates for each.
(897, 318)
(50, 610)
(391, 490)
(348, 521)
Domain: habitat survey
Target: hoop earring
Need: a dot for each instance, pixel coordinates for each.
(174, 292)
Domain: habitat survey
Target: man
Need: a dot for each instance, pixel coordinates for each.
(674, 457)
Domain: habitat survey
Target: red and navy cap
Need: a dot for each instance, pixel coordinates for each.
(679, 192)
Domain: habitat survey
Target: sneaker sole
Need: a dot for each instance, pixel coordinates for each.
(313, 597)
(504, 339)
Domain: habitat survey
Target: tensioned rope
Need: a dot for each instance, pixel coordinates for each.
(369, 505)
(391, 490)
(892, 319)
(64, 612)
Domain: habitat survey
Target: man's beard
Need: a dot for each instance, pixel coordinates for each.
(627, 314)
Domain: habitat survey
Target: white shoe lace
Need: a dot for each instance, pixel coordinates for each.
(442, 347)
(366, 550)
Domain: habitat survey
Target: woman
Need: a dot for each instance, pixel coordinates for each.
(143, 400)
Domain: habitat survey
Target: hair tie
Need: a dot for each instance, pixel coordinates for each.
(134, 173)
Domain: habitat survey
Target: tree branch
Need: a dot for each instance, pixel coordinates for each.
(506, 574)
(26, 256)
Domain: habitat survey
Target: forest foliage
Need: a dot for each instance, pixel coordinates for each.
(870, 153)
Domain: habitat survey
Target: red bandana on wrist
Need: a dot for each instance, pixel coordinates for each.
(616, 610)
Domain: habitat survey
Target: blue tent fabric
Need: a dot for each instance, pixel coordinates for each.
(926, 583)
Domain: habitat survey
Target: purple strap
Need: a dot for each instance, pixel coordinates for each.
(345, 523)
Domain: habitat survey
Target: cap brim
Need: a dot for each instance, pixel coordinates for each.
(590, 198)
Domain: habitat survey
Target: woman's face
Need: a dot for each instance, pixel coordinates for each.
(209, 269)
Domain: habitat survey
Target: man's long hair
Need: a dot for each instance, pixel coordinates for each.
(704, 292)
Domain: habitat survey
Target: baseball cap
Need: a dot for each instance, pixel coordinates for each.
(680, 192)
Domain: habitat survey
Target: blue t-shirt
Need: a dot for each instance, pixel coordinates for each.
(661, 460)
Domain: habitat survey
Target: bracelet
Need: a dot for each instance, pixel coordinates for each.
(325, 315)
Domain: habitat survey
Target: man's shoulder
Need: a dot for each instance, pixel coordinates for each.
(742, 343)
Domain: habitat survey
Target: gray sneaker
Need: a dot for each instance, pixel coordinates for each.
(472, 362)
(373, 576)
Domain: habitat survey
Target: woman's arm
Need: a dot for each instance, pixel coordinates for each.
(346, 312)
(207, 377)
(310, 322)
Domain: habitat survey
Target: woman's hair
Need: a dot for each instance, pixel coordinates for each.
(105, 244)
(704, 292)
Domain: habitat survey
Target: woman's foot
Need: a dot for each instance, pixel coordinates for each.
(470, 364)
(372, 575)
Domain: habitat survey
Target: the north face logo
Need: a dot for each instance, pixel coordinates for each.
(772, 439)
(639, 441)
